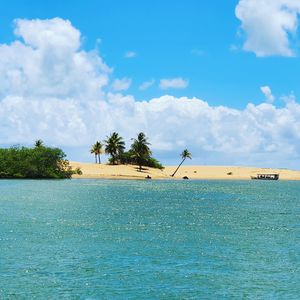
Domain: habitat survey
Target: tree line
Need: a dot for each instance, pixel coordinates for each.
(139, 153)
(42, 162)
(38, 162)
(114, 145)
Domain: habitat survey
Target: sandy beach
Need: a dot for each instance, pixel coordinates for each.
(91, 170)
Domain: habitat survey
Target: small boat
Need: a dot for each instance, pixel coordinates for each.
(265, 177)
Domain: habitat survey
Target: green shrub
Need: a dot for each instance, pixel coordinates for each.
(127, 158)
(153, 163)
(35, 163)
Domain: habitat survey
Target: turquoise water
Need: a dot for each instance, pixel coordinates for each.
(102, 239)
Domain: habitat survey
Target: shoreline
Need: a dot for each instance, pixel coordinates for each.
(130, 172)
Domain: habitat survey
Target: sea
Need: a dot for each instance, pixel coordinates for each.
(118, 239)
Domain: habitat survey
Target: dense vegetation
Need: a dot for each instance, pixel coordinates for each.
(129, 158)
(40, 162)
(138, 154)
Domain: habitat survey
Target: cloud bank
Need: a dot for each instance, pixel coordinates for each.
(50, 88)
(269, 25)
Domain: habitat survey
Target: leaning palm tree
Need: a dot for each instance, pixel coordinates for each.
(97, 150)
(38, 143)
(114, 146)
(184, 155)
(140, 149)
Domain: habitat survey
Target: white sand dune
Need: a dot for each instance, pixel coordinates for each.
(90, 170)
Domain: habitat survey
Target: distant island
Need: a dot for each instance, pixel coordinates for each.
(43, 162)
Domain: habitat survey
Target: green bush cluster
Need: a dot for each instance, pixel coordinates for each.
(128, 158)
(39, 162)
(139, 153)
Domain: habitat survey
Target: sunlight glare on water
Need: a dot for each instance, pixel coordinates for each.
(95, 239)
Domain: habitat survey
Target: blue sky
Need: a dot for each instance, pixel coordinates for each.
(189, 39)
(225, 70)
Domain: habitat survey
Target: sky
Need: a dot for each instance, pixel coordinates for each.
(217, 77)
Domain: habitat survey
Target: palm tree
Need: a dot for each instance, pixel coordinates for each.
(38, 143)
(97, 150)
(114, 146)
(184, 155)
(94, 151)
(140, 149)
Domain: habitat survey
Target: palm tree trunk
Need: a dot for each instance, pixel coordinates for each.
(99, 159)
(178, 168)
(95, 158)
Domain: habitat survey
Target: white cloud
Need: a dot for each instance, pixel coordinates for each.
(56, 93)
(268, 25)
(52, 33)
(170, 122)
(146, 85)
(130, 54)
(266, 90)
(121, 84)
(173, 83)
(48, 62)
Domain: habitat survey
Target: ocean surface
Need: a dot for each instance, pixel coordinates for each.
(105, 239)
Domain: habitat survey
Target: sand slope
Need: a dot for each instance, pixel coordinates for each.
(91, 170)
